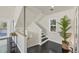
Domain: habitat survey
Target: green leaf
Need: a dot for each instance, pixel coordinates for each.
(64, 26)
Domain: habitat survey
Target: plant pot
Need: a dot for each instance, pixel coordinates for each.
(65, 50)
(65, 46)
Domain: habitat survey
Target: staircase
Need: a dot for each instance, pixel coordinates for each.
(12, 47)
(44, 37)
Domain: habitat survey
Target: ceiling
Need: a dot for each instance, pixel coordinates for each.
(7, 12)
(47, 9)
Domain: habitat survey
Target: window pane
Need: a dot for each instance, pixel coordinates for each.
(53, 25)
(53, 22)
(3, 29)
(53, 28)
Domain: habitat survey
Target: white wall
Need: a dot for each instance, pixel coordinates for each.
(17, 14)
(7, 12)
(77, 39)
(54, 36)
(21, 43)
(32, 15)
(19, 27)
(34, 35)
(20, 23)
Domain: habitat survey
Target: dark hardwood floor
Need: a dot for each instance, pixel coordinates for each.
(48, 47)
(12, 47)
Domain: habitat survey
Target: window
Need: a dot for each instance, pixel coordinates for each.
(53, 25)
(3, 29)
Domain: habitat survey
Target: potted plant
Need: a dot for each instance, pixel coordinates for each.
(65, 26)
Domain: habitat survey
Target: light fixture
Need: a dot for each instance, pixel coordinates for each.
(52, 8)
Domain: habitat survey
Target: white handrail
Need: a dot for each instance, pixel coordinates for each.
(21, 42)
(21, 33)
